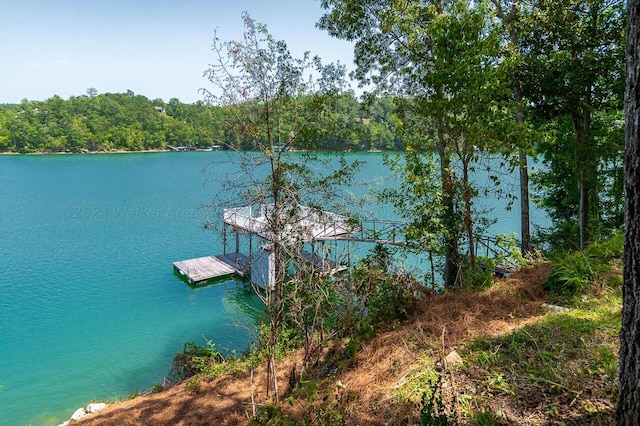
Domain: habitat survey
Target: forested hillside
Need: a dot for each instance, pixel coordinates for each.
(130, 122)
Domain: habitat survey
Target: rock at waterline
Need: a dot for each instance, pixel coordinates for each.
(95, 407)
(78, 414)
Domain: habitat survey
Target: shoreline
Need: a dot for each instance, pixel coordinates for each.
(115, 151)
(150, 151)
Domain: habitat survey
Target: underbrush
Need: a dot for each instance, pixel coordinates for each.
(593, 271)
(520, 363)
(336, 313)
(560, 367)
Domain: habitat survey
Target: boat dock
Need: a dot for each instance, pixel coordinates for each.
(199, 270)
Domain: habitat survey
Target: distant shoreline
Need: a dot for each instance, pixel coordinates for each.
(115, 151)
(144, 151)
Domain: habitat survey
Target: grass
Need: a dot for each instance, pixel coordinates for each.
(553, 367)
(561, 366)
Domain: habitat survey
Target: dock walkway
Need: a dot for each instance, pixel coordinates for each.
(202, 269)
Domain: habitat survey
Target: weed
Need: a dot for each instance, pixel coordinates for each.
(498, 383)
(434, 410)
(481, 276)
(575, 274)
(307, 388)
(605, 362)
(271, 415)
(351, 349)
(571, 275)
(484, 418)
(486, 357)
(418, 383)
(136, 393)
(158, 387)
(194, 384)
(194, 359)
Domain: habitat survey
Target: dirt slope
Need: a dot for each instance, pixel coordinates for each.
(363, 389)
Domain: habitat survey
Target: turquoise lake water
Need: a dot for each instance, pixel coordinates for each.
(89, 306)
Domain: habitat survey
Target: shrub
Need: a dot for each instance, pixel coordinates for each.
(194, 359)
(434, 411)
(387, 293)
(574, 273)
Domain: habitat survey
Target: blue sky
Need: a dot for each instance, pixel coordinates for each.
(158, 48)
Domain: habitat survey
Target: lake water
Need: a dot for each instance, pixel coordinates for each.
(89, 305)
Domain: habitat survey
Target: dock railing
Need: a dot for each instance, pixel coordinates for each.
(307, 224)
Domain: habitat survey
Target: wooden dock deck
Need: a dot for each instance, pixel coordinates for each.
(201, 269)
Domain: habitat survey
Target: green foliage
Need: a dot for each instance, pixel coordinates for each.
(271, 415)
(136, 393)
(306, 388)
(417, 198)
(445, 122)
(119, 121)
(157, 388)
(576, 273)
(561, 350)
(571, 275)
(195, 359)
(105, 122)
(484, 418)
(386, 294)
(349, 125)
(351, 349)
(556, 184)
(319, 309)
(434, 412)
(289, 338)
(480, 276)
(573, 76)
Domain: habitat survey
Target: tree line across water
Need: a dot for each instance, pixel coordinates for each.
(126, 121)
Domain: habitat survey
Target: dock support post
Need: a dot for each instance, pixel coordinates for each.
(224, 239)
(237, 243)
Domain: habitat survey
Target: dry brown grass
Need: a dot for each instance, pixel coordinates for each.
(363, 389)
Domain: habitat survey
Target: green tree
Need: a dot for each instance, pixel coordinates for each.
(24, 129)
(443, 55)
(5, 139)
(573, 70)
(269, 100)
(509, 12)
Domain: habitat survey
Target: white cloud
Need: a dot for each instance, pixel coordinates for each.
(60, 62)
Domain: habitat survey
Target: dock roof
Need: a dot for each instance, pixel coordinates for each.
(301, 223)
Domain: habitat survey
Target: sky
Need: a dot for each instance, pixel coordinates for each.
(158, 48)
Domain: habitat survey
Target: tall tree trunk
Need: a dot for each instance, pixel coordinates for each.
(525, 218)
(468, 213)
(628, 404)
(585, 172)
(584, 210)
(275, 306)
(451, 234)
